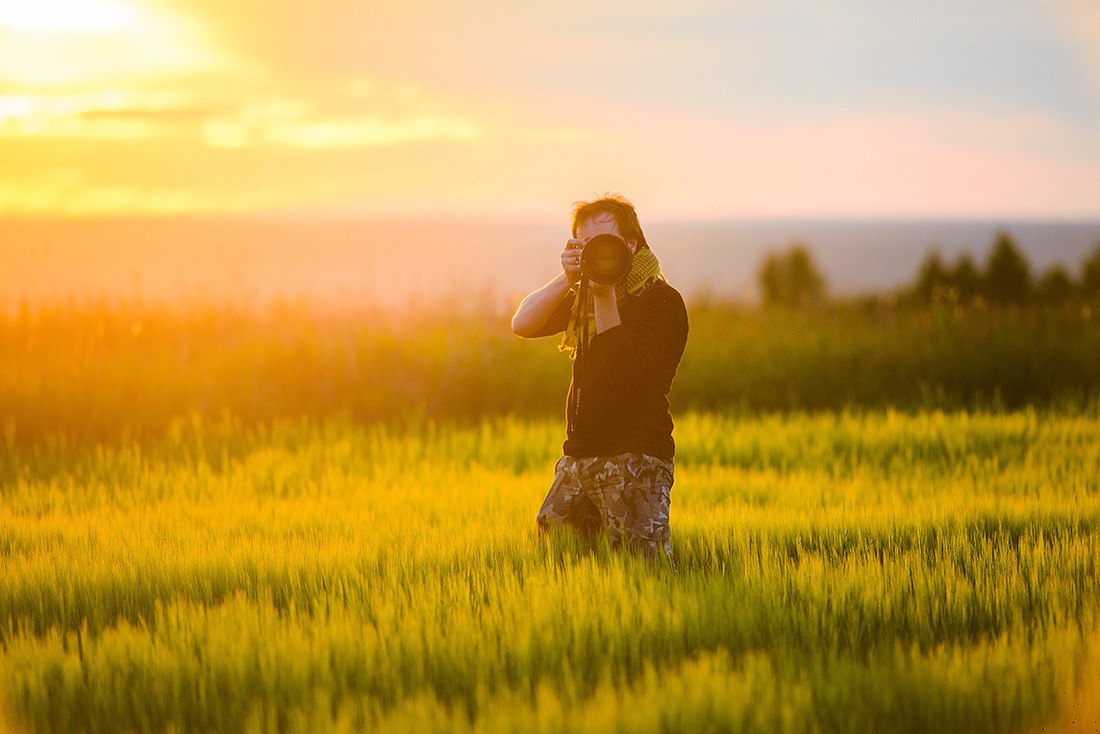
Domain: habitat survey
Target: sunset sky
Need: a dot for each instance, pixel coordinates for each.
(750, 108)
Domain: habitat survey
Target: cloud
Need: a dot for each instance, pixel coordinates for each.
(355, 133)
(67, 193)
(1081, 19)
(357, 118)
(888, 165)
(98, 115)
(711, 109)
(52, 177)
(356, 113)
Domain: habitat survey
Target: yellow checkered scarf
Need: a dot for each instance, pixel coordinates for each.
(644, 270)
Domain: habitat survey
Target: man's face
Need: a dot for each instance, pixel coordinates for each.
(601, 224)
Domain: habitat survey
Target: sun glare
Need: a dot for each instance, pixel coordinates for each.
(88, 44)
(67, 16)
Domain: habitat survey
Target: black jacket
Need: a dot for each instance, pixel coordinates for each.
(618, 397)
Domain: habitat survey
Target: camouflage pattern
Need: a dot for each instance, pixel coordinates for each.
(628, 495)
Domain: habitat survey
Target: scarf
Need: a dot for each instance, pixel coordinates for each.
(644, 270)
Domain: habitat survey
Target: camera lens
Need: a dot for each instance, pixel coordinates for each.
(606, 259)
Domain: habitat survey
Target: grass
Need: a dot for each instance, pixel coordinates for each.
(88, 373)
(862, 570)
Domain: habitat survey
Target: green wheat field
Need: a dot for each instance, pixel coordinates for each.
(254, 565)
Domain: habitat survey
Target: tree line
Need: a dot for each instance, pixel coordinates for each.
(791, 279)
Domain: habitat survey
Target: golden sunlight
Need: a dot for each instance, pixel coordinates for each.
(76, 43)
(79, 16)
(354, 133)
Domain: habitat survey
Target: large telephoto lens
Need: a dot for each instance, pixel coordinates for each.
(606, 259)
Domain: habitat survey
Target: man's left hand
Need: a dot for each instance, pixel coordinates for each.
(600, 291)
(605, 303)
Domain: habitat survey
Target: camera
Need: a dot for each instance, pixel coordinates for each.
(606, 259)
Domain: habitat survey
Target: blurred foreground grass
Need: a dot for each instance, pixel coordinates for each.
(861, 571)
(310, 520)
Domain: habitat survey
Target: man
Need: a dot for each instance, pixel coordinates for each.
(616, 471)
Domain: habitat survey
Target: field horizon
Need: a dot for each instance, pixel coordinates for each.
(394, 263)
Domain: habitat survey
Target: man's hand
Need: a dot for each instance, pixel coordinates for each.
(602, 292)
(571, 260)
(605, 303)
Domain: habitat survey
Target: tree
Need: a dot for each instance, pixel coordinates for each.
(1007, 278)
(933, 280)
(966, 279)
(936, 283)
(1090, 275)
(791, 279)
(1055, 286)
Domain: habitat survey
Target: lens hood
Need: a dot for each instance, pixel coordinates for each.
(606, 259)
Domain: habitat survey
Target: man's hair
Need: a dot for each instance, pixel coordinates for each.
(625, 217)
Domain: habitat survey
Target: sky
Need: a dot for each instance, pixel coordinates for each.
(693, 109)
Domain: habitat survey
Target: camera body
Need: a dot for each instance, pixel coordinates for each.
(606, 259)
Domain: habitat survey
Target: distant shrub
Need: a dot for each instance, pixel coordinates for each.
(1007, 278)
(791, 279)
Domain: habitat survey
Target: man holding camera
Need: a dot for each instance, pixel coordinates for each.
(626, 334)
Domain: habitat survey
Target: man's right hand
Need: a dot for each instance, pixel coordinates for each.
(571, 260)
(537, 308)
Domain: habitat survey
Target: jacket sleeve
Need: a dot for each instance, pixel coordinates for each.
(559, 319)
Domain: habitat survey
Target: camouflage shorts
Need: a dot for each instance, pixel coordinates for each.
(627, 495)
